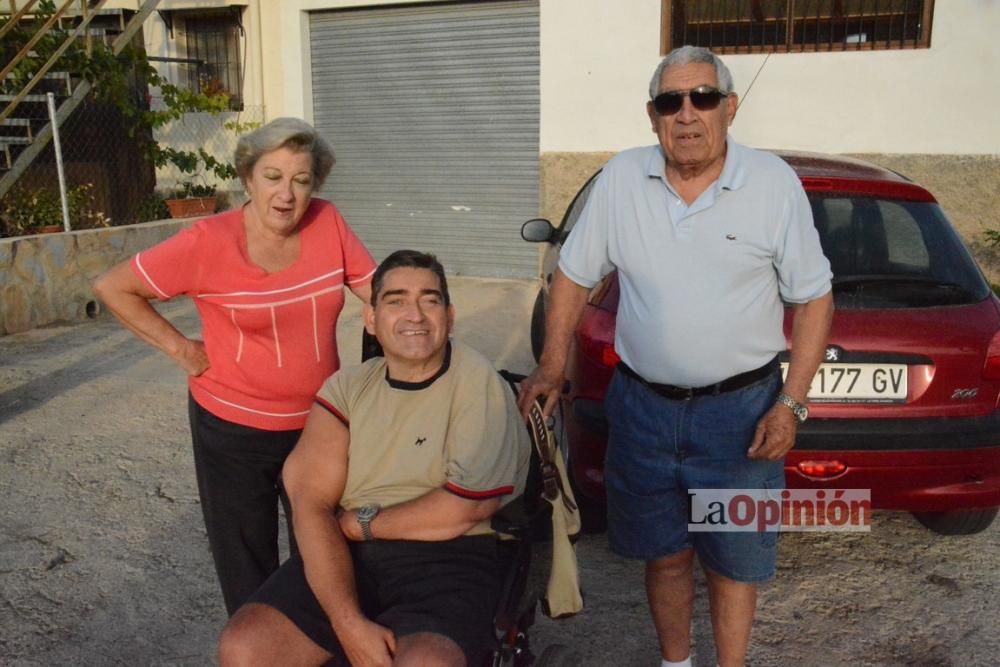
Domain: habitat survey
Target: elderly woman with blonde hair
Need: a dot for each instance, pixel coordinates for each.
(268, 281)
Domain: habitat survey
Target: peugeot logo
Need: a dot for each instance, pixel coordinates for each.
(832, 353)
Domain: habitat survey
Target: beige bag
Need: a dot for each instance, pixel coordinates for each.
(562, 597)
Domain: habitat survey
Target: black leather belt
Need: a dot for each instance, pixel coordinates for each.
(682, 393)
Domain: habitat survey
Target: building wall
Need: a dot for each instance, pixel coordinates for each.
(203, 130)
(901, 109)
(159, 42)
(929, 112)
(884, 101)
(597, 58)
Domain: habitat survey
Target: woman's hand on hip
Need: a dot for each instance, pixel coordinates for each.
(193, 358)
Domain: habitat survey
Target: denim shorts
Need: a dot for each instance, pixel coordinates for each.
(659, 448)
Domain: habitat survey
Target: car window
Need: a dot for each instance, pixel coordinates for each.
(904, 241)
(894, 254)
(576, 208)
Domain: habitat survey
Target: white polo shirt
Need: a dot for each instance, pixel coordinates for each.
(701, 285)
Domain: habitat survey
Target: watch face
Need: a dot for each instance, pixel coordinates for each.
(368, 511)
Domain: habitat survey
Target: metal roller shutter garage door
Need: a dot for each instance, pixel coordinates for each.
(433, 113)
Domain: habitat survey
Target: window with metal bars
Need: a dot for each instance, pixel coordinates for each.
(789, 26)
(213, 49)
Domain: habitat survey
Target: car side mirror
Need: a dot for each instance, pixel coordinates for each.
(538, 230)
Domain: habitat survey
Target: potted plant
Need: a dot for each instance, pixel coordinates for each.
(25, 211)
(196, 195)
(191, 200)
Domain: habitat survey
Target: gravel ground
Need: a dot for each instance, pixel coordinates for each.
(103, 559)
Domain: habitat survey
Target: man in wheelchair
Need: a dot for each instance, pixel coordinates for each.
(402, 463)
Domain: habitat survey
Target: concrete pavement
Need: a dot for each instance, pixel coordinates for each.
(103, 559)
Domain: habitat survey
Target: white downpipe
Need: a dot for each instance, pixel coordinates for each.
(259, 57)
(57, 147)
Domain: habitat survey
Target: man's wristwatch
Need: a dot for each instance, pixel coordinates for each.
(365, 516)
(800, 410)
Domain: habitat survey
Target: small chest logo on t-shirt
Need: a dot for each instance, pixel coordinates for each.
(730, 237)
(420, 441)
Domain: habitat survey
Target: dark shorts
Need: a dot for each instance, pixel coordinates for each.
(450, 588)
(659, 448)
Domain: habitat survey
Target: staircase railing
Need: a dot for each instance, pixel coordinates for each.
(16, 17)
(86, 18)
(41, 140)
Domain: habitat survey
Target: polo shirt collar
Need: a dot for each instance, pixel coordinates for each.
(734, 169)
(657, 165)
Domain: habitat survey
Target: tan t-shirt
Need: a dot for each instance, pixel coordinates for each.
(459, 430)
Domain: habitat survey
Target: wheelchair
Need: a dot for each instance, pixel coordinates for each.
(524, 522)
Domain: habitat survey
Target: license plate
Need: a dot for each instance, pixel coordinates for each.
(857, 383)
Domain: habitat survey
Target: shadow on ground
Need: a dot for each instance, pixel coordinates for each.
(103, 559)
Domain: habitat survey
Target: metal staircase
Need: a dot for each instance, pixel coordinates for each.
(30, 115)
(25, 126)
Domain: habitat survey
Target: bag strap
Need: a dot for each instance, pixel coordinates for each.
(562, 596)
(554, 484)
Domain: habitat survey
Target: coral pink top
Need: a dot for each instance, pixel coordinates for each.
(270, 337)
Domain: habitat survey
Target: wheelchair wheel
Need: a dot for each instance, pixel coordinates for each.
(558, 655)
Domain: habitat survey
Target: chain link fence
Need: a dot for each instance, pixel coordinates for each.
(110, 179)
(217, 135)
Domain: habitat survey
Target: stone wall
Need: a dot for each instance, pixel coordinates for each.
(562, 174)
(46, 279)
(967, 186)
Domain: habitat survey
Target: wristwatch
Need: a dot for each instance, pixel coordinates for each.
(800, 410)
(365, 515)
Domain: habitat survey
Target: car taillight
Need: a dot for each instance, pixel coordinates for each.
(821, 468)
(991, 369)
(599, 351)
(596, 337)
(609, 357)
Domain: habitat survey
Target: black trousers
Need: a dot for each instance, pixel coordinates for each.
(239, 469)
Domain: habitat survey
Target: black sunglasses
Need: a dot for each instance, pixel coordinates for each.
(703, 98)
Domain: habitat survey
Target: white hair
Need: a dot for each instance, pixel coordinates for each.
(293, 133)
(686, 55)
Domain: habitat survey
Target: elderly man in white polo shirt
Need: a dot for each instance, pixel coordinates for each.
(708, 237)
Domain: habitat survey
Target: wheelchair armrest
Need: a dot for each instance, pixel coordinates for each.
(524, 519)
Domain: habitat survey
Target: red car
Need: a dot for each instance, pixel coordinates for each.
(906, 402)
